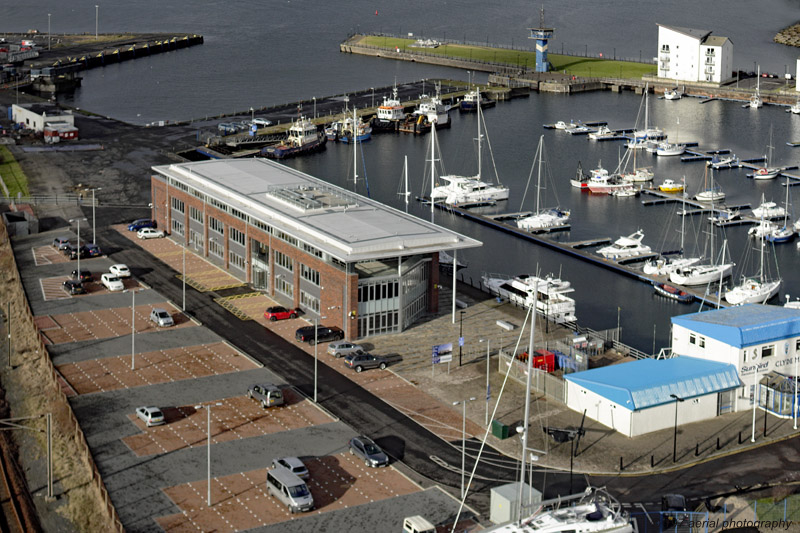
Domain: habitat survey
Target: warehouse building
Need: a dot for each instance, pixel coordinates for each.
(642, 396)
(346, 259)
(761, 341)
(37, 117)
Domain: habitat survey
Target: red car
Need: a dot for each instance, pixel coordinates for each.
(279, 313)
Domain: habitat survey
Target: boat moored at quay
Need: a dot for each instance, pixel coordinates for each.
(551, 299)
(303, 138)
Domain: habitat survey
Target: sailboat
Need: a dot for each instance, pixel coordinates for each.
(755, 100)
(755, 289)
(767, 172)
(663, 266)
(542, 218)
(667, 148)
(464, 190)
(639, 174)
(709, 194)
(786, 233)
(649, 135)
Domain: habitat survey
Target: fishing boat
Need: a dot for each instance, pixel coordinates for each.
(542, 218)
(471, 99)
(674, 293)
(603, 132)
(767, 172)
(434, 110)
(672, 94)
(624, 247)
(594, 511)
(468, 191)
(351, 126)
(303, 138)
(551, 299)
(669, 185)
(581, 180)
(389, 114)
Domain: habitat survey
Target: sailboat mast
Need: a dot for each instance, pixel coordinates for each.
(525, 423)
(711, 223)
(433, 164)
(539, 177)
(478, 93)
(405, 180)
(354, 137)
(683, 212)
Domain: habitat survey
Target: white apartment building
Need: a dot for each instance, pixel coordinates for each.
(686, 54)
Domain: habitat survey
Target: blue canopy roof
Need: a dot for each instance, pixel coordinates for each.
(745, 325)
(649, 382)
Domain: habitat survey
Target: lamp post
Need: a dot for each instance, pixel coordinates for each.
(78, 220)
(94, 234)
(675, 433)
(252, 114)
(315, 105)
(183, 277)
(207, 407)
(460, 334)
(96, 19)
(488, 390)
(373, 95)
(463, 438)
(48, 32)
(133, 329)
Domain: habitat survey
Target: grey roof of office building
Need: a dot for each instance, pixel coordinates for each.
(346, 225)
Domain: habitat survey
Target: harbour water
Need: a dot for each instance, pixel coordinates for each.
(257, 55)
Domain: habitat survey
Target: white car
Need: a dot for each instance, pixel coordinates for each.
(149, 233)
(262, 122)
(120, 270)
(151, 416)
(112, 282)
(293, 465)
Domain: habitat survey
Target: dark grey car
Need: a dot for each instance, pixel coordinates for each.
(368, 451)
(365, 361)
(267, 394)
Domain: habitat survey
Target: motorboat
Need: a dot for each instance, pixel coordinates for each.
(594, 511)
(764, 228)
(723, 216)
(624, 247)
(671, 292)
(672, 94)
(670, 149)
(662, 266)
(580, 129)
(625, 192)
(723, 161)
(389, 114)
(542, 218)
(561, 125)
(669, 185)
(357, 129)
(603, 132)
(602, 182)
(434, 110)
(303, 137)
(552, 301)
(471, 99)
(768, 210)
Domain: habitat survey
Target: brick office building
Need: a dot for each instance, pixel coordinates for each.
(365, 267)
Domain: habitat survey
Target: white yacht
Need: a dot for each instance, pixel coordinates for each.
(630, 246)
(543, 218)
(768, 210)
(755, 100)
(672, 94)
(663, 266)
(594, 511)
(723, 161)
(551, 299)
(603, 132)
(756, 289)
(669, 149)
(462, 190)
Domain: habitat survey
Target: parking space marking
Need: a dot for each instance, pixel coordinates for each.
(113, 373)
(47, 255)
(52, 288)
(237, 418)
(241, 501)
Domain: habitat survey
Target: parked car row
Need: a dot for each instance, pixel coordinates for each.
(323, 334)
(72, 251)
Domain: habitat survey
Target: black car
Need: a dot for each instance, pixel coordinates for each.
(72, 251)
(83, 275)
(324, 334)
(73, 286)
(92, 250)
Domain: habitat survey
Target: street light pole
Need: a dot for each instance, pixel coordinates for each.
(133, 329)
(675, 433)
(207, 407)
(463, 439)
(94, 233)
(48, 32)
(78, 221)
(488, 390)
(183, 277)
(315, 105)
(460, 332)
(96, 19)
(252, 115)
(316, 327)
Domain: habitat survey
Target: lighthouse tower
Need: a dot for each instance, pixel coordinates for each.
(542, 35)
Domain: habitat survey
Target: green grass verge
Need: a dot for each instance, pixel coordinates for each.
(12, 174)
(769, 510)
(574, 66)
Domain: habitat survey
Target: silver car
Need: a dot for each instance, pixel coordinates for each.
(293, 465)
(366, 449)
(151, 416)
(344, 348)
(161, 317)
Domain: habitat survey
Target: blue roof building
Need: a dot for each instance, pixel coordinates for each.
(744, 325)
(639, 397)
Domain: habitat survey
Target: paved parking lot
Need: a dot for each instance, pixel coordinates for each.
(242, 502)
(47, 255)
(52, 287)
(162, 366)
(103, 323)
(237, 418)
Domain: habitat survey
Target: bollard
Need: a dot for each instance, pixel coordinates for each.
(718, 443)
(740, 437)
(652, 461)
(621, 468)
(696, 449)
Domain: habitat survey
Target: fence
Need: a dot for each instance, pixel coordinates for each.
(551, 386)
(64, 199)
(72, 431)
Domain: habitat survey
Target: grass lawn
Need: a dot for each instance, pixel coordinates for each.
(575, 66)
(11, 173)
(768, 510)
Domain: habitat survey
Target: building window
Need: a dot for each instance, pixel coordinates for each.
(216, 225)
(195, 214)
(236, 260)
(177, 227)
(312, 250)
(702, 342)
(177, 205)
(283, 260)
(284, 287)
(309, 302)
(797, 345)
(237, 236)
(692, 339)
(309, 274)
(768, 351)
(216, 249)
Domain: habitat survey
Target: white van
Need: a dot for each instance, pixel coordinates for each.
(417, 524)
(289, 489)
